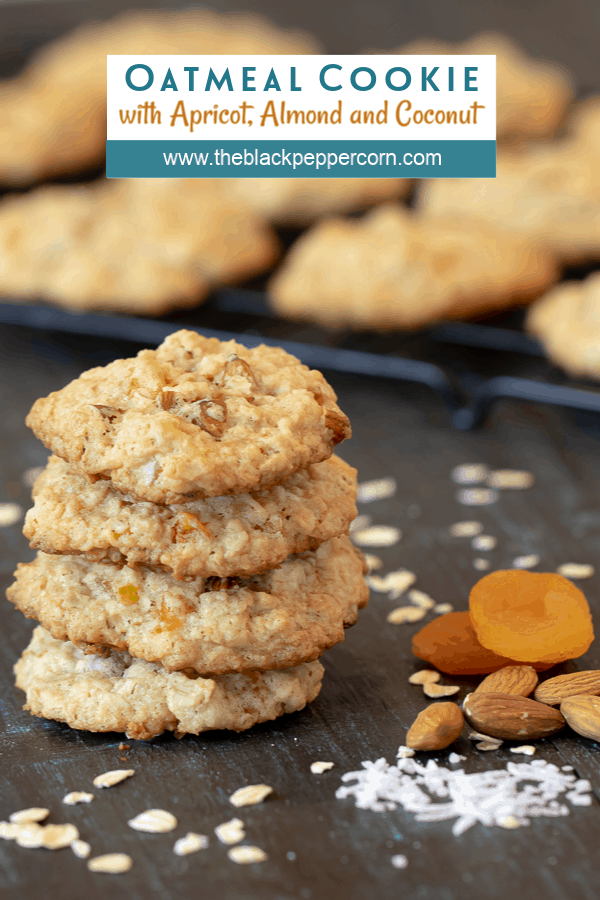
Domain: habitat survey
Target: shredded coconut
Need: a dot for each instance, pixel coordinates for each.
(380, 489)
(521, 791)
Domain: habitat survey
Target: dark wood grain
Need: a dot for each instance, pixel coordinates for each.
(366, 705)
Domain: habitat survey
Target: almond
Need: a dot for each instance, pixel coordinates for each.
(519, 680)
(555, 690)
(510, 717)
(583, 715)
(436, 727)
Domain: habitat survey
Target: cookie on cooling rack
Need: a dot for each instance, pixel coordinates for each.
(194, 418)
(144, 247)
(393, 269)
(567, 323)
(119, 693)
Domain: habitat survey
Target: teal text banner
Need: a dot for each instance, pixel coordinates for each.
(301, 159)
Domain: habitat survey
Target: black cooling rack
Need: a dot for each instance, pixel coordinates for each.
(468, 366)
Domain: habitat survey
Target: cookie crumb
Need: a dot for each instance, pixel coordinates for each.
(111, 863)
(191, 843)
(153, 821)
(250, 795)
(75, 797)
(318, 767)
(231, 832)
(115, 776)
(246, 855)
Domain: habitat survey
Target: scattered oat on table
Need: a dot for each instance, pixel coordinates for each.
(31, 475)
(318, 767)
(469, 474)
(360, 522)
(509, 822)
(379, 489)
(478, 736)
(399, 861)
(10, 514)
(486, 746)
(424, 676)
(481, 564)
(576, 570)
(75, 797)
(246, 855)
(466, 529)
(372, 562)
(154, 821)
(394, 583)
(231, 832)
(405, 614)
(440, 690)
(115, 776)
(56, 837)
(377, 536)
(405, 752)
(526, 749)
(484, 542)
(511, 478)
(191, 843)
(81, 849)
(526, 562)
(9, 830)
(33, 814)
(111, 863)
(250, 795)
(420, 598)
(30, 835)
(442, 608)
(477, 496)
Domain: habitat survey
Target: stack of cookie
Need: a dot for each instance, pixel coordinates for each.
(192, 528)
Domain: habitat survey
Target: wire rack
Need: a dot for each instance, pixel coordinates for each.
(470, 367)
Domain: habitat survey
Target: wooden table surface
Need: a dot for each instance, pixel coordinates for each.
(321, 848)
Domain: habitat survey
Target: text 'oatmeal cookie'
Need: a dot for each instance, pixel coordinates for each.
(194, 418)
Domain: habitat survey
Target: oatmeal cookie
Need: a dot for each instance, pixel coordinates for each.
(299, 201)
(546, 192)
(395, 270)
(274, 620)
(140, 246)
(53, 115)
(533, 95)
(194, 418)
(239, 534)
(119, 693)
(567, 323)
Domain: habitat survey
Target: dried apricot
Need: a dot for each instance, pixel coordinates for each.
(451, 645)
(539, 618)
